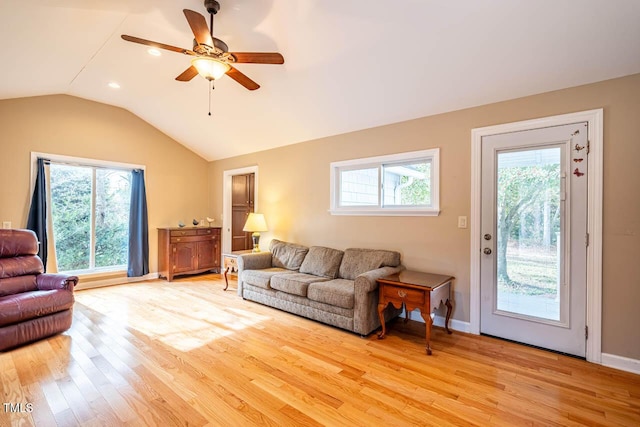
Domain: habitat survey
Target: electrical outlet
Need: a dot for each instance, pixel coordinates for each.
(6, 225)
(462, 222)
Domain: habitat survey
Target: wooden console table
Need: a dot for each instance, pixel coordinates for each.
(230, 263)
(413, 289)
(188, 250)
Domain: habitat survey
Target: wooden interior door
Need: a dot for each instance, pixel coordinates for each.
(242, 203)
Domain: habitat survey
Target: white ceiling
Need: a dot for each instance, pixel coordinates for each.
(349, 64)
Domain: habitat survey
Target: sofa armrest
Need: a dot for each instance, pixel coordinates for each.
(252, 261)
(47, 282)
(367, 282)
(365, 307)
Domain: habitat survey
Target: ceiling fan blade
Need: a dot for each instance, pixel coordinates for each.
(258, 57)
(242, 79)
(156, 44)
(199, 27)
(187, 74)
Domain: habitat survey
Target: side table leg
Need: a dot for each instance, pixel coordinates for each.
(226, 281)
(428, 322)
(381, 308)
(446, 321)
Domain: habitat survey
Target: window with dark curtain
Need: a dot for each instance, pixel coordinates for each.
(138, 227)
(37, 220)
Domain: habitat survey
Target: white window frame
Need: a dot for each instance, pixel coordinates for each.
(92, 163)
(377, 162)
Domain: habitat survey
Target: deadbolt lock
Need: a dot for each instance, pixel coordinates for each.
(487, 237)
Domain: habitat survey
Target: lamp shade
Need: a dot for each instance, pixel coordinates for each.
(255, 223)
(210, 68)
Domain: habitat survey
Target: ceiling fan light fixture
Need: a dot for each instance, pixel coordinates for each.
(210, 68)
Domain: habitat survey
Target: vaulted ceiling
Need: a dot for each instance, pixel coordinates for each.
(349, 64)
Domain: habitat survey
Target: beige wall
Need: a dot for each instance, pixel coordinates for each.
(294, 194)
(176, 178)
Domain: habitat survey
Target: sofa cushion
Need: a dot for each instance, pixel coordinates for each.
(18, 284)
(321, 261)
(34, 329)
(294, 283)
(287, 255)
(338, 292)
(20, 266)
(15, 243)
(261, 278)
(357, 261)
(28, 305)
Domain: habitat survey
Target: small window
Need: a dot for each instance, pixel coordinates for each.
(399, 184)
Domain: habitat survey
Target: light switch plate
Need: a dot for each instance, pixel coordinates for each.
(462, 222)
(6, 225)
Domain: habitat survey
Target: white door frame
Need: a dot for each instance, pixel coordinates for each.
(594, 224)
(226, 201)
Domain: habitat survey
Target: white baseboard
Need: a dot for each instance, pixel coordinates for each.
(456, 325)
(622, 363)
(610, 360)
(110, 281)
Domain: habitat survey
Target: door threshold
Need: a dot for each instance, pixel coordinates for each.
(535, 346)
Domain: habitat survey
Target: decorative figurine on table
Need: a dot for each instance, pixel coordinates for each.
(195, 222)
(210, 220)
(181, 224)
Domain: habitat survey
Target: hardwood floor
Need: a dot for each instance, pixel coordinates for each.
(187, 353)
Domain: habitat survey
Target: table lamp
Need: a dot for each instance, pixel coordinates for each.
(255, 224)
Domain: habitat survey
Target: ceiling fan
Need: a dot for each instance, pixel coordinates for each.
(212, 58)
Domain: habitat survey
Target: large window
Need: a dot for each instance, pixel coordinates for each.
(89, 209)
(399, 184)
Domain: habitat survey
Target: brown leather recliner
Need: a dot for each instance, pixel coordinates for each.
(33, 305)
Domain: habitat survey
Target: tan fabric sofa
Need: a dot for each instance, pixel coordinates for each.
(331, 286)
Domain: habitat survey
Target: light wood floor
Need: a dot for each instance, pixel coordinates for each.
(187, 353)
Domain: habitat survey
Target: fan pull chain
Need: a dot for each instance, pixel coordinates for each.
(211, 32)
(210, 90)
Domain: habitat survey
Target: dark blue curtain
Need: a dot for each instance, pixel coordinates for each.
(37, 220)
(138, 227)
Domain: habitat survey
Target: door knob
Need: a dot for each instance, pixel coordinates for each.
(487, 251)
(487, 237)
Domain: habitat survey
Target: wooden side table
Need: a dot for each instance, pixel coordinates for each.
(230, 264)
(413, 289)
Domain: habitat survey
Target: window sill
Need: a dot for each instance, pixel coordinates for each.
(97, 273)
(385, 212)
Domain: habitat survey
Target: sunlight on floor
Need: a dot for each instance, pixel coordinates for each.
(183, 331)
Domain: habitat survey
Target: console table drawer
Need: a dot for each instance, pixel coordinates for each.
(396, 293)
(182, 233)
(191, 239)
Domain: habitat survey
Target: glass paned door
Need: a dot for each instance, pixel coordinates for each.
(529, 232)
(533, 221)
